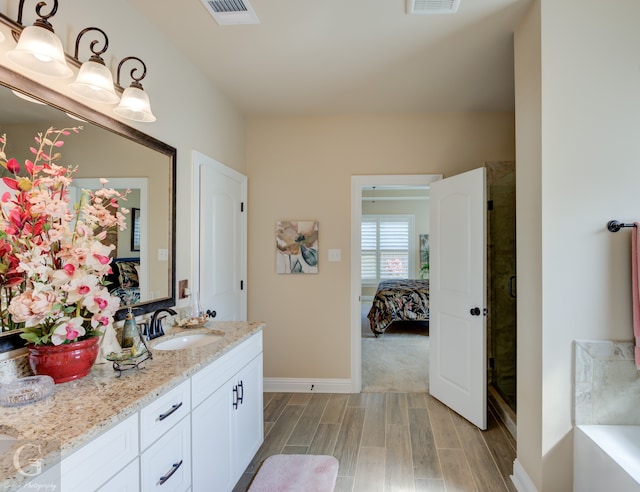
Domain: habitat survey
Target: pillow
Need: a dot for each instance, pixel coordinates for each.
(128, 274)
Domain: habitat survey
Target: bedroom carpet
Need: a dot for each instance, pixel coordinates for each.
(398, 360)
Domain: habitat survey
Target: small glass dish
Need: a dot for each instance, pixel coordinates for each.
(198, 322)
(26, 390)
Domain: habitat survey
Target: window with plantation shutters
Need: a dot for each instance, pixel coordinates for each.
(386, 248)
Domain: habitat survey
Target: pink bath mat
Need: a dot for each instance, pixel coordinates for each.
(296, 473)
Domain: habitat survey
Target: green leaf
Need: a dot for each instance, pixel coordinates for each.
(30, 337)
(310, 255)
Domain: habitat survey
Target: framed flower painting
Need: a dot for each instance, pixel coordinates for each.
(297, 246)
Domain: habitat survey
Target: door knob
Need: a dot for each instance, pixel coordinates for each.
(475, 311)
(211, 313)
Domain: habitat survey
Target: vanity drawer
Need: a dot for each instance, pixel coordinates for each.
(166, 465)
(163, 413)
(206, 381)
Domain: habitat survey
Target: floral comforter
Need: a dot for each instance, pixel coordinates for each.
(399, 300)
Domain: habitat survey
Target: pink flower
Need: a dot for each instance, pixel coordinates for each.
(68, 329)
(54, 252)
(103, 260)
(13, 166)
(32, 307)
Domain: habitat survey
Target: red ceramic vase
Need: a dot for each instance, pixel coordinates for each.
(64, 362)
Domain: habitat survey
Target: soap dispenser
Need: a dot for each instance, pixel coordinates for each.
(196, 310)
(129, 331)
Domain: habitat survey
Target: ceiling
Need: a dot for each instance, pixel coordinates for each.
(351, 56)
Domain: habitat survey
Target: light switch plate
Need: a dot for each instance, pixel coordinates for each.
(335, 255)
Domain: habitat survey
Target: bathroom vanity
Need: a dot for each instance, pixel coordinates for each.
(191, 420)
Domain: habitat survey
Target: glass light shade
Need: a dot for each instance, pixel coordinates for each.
(134, 105)
(40, 50)
(26, 98)
(1, 37)
(95, 82)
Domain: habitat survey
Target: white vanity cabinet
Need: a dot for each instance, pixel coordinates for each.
(197, 437)
(227, 419)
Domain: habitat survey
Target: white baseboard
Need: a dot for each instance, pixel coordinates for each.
(291, 385)
(521, 479)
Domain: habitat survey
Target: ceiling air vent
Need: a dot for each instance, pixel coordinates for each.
(426, 7)
(227, 12)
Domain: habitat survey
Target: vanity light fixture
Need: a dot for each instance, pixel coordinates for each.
(94, 80)
(134, 104)
(39, 50)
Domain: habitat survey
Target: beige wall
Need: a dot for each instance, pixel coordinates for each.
(192, 113)
(301, 168)
(578, 120)
(529, 243)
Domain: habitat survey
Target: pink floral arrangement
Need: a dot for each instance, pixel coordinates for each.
(52, 258)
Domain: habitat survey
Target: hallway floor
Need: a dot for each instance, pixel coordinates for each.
(388, 442)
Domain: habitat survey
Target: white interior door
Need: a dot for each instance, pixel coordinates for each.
(222, 233)
(457, 325)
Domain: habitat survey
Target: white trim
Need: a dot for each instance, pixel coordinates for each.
(520, 478)
(357, 184)
(294, 385)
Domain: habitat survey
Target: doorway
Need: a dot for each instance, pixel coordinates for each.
(502, 342)
(358, 186)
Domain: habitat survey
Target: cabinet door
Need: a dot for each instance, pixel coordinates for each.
(212, 441)
(248, 416)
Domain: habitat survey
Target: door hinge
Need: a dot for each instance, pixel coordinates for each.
(241, 206)
(492, 363)
(490, 205)
(241, 284)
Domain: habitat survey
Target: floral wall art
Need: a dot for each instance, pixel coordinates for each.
(297, 246)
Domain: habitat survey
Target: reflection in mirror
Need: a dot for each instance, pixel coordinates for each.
(129, 159)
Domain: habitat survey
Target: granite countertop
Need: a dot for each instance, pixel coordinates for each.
(81, 410)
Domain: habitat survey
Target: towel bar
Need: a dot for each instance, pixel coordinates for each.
(615, 225)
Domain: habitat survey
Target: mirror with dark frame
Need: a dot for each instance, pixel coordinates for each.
(129, 159)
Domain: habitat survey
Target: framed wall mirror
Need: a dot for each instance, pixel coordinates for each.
(129, 159)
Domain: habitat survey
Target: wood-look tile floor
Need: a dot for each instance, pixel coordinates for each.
(388, 442)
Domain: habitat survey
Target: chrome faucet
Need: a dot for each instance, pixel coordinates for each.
(155, 325)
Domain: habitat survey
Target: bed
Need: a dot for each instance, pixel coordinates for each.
(124, 281)
(399, 300)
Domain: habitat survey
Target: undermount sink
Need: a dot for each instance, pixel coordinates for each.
(187, 341)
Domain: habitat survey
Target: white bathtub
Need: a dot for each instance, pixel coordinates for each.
(606, 458)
